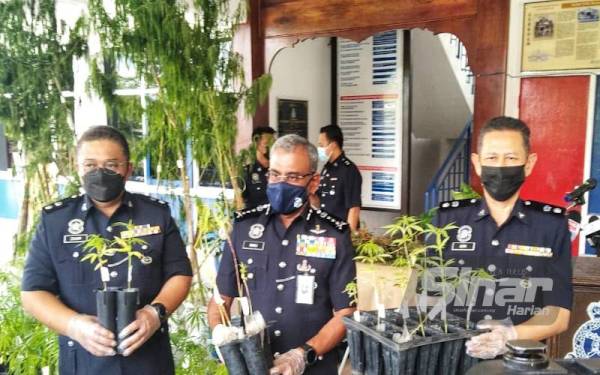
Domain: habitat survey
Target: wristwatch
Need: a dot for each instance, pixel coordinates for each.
(310, 355)
(161, 310)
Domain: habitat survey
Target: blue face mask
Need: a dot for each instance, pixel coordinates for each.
(286, 198)
(322, 154)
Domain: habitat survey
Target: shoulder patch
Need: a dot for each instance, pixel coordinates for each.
(60, 204)
(325, 216)
(544, 207)
(458, 203)
(155, 201)
(251, 212)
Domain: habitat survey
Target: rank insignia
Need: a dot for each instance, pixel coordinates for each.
(146, 260)
(140, 231)
(318, 230)
(317, 247)
(75, 226)
(256, 231)
(533, 251)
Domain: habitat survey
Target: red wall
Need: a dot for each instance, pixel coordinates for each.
(555, 108)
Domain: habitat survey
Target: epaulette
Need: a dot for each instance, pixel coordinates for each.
(153, 200)
(544, 207)
(336, 222)
(60, 204)
(251, 212)
(458, 203)
(346, 162)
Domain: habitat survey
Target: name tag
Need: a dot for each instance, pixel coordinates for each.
(140, 231)
(532, 251)
(253, 245)
(463, 246)
(315, 246)
(75, 238)
(305, 289)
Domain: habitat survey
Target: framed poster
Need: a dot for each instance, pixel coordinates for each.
(370, 97)
(292, 117)
(561, 35)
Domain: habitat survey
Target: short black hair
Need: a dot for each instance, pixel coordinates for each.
(333, 134)
(258, 132)
(103, 132)
(505, 123)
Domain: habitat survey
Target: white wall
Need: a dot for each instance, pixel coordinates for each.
(304, 73)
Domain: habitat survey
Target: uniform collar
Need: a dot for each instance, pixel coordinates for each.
(88, 204)
(518, 211)
(337, 161)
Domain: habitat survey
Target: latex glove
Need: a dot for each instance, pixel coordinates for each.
(94, 338)
(141, 329)
(289, 363)
(489, 345)
(222, 334)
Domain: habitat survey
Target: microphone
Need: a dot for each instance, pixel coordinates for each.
(577, 194)
(574, 220)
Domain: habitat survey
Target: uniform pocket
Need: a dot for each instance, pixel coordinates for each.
(70, 268)
(149, 266)
(256, 264)
(67, 360)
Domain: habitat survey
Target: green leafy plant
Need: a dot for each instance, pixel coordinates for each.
(466, 192)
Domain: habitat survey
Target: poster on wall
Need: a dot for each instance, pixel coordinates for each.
(561, 35)
(292, 117)
(369, 111)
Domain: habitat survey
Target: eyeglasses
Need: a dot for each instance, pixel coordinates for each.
(289, 177)
(111, 165)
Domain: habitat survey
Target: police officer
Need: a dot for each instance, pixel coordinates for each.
(59, 290)
(341, 182)
(524, 244)
(255, 177)
(299, 260)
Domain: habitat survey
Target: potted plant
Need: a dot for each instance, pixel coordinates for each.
(115, 306)
(418, 339)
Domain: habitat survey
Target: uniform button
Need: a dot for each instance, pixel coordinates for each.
(492, 267)
(280, 287)
(461, 262)
(495, 242)
(145, 247)
(75, 254)
(250, 260)
(282, 264)
(487, 317)
(529, 268)
(70, 343)
(285, 242)
(251, 275)
(277, 354)
(109, 229)
(114, 274)
(277, 333)
(278, 310)
(322, 204)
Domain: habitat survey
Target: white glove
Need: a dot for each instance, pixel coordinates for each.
(96, 339)
(140, 330)
(491, 344)
(222, 334)
(289, 363)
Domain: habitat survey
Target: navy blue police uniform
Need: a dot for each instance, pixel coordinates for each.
(54, 265)
(315, 244)
(340, 186)
(529, 256)
(255, 193)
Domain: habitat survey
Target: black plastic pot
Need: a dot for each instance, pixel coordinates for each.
(234, 359)
(374, 352)
(255, 357)
(106, 308)
(127, 305)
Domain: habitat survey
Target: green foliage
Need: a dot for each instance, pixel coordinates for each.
(25, 345)
(351, 290)
(465, 192)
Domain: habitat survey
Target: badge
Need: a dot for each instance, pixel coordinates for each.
(464, 233)
(317, 247)
(75, 226)
(318, 230)
(255, 177)
(75, 238)
(532, 251)
(305, 289)
(256, 231)
(298, 202)
(140, 231)
(146, 260)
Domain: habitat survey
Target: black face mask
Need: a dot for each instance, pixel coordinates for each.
(103, 185)
(502, 182)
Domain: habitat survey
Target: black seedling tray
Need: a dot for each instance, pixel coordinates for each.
(374, 352)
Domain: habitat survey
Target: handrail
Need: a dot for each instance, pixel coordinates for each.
(453, 172)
